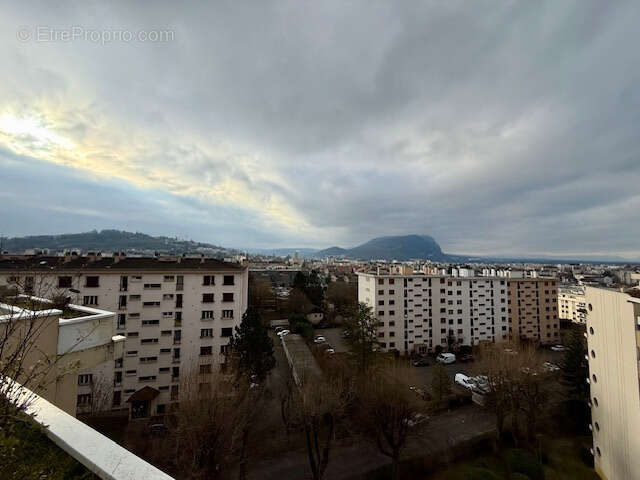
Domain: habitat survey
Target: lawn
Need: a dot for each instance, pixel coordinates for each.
(562, 461)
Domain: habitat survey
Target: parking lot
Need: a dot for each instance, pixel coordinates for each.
(334, 338)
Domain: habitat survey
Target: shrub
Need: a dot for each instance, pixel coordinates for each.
(477, 473)
(524, 462)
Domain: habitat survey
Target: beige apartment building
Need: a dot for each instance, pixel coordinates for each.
(417, 312)
(613, 344)
(572, 305)
(55, 345)
(533, 308)
(177, 314)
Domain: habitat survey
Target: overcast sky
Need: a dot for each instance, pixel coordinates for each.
(495, 127)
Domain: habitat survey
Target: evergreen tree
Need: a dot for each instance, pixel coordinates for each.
(575, 367)
(251, 348)
(362, 333)
(440, 383)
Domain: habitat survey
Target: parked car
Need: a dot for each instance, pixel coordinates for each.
(466, 358)
(319, 339)
(329, 351)
(510, 351)
(464, 381)
(481, 384)
(558, 348)
(158, 430)
(420, 362)
(446, 358)
(416, 419)
(550, 367)
(345, 334)
(283, 333)
(278, 329)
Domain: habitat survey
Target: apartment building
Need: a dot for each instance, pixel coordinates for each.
(572, 305)
(533, 307)
(177, 314)
(418, 312)
(613, 345)
(54, 344)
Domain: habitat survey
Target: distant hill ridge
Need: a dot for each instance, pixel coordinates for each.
(401, 248)
(108, 240)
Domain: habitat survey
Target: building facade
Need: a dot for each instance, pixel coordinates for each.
(613, 346)
(177, 314)
(572, 305)
(533, 306)
(416, 313)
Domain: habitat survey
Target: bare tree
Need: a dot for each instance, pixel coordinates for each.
(517, 385)
(28, 356)
(387, 411)
(320, 406)
(204, 427)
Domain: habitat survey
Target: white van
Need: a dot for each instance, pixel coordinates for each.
(446, 358)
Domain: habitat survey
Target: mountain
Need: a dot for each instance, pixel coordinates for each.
(110, 240)
(401, 248)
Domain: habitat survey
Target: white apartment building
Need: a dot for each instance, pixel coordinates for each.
(613, 344)
(572, 305)
(177, 313)
(418, 312)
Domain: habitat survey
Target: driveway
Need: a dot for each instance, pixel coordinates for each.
(333, 336)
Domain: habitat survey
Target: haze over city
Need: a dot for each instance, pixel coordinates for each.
(495, 127)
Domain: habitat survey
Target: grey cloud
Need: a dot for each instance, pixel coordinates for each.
(494, 126)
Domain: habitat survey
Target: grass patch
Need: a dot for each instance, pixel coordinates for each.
(27, 454)
(562, 460)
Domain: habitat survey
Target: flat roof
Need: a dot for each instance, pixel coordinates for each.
(39, 263)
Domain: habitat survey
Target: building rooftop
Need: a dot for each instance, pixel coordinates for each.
(39, 263)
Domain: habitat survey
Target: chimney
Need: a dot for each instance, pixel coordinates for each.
(117, 256)
(202, 258)
(93, 256)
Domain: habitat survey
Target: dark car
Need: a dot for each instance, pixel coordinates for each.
(421, 362)
(466, 358)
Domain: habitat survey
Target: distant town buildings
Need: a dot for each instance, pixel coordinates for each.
(613, 344)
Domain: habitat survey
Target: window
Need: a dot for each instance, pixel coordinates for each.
(227, 297)
(205, 368)
(117, 398)
(208, 280)
(117, 378)
(148, 359)
(206, 351)
(168, 278)
(227, 313)
(392, 292)
(122, 320)
(174, 392)
(152, 286)
(85, 379)
(130, 373)
(391, 281)
(64, 282)
(84, 399)
(122, 302)
(132, 334)
(167, 296)
(132, 353)
(229, 280)
(92, 282)
(226, 332)
(148, 340)
(207, 298)
(90, 300)
(148, 378)
(177, 337)
(381, 281)
(178, 300)
(150, 304)
(206, 332)
(150, 322)
(134, 297)
(180, 282)
(207, 314)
